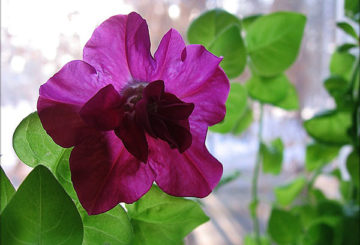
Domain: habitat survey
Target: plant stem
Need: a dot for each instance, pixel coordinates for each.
(254, 187)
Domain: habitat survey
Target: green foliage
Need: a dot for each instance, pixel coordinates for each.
(268, 90)
(353, 167)
(220, 32)
(352, 9)
(318, 155)
(236, 107)
(330, 127)
(273, 42)
(340, 90)
(347, 28)
(272, 156)
(6, 190)
(41, 212)
(346, 47)
(158, 218)
(251, 240)
(226, 179)
(34, 146)
(286, 194)
(341, 64)
(290, 101)
(248, 20)
(112, 227)
(284, 227)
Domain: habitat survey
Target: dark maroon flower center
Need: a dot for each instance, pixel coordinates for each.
(141, 109)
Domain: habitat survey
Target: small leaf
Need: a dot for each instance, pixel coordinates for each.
(235, 107)
(291, 100)
(353, 167)
(41, 213)
(272, 156)
(286, 194)
(330, 127)
(273, 41)
(268, 90)
(206, 28)
(341, 64)
(112, 227)
(243, 122)
(6, 190)
(347, 28)
(34, 146)
(340, 90)
(346, 47)
(318, 155)
(220, 32)
(230, 45)
(161, 219)
(284, 227)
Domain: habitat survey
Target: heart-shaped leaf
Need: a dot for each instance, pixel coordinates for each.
(268, 90)
(291, 100)
(341, 64)
(318, 155)
(220, 32)
(273, 41)
(6, 190)
(330, 127)
(286, 194)
(160, 219)
(41, 213)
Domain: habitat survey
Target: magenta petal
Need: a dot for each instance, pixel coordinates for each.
(61, 98)
(192, 74)
(119, 49)
(103, 111)
(104, 173)
(192, 173)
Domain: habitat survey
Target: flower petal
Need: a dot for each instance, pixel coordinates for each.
(192, 173)
(193, 74)
(119, 49)
(61, 98)
(103, 111)
(104, 173)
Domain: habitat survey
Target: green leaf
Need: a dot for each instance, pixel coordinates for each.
(291, 100)
(112, 227)
(235, 108)
(340, 90)
(347, 28)
(272, 156)
(319, 234)
(248, 20)
(220, 32)
(207, 27)
(34, 146)
(41, 213)
(273, 41)
(284, 227)
(251, 240)
(330, 127)
(158, 218)
(6, 190)
(318, 155)
(352, 165)
(352, 9)
(286, 194)
(307, 214)
(268, 90)
(244, 122)
(230, 45)
(341, 64)
(346, 47)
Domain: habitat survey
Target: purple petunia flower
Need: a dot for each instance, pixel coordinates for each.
(134, 119)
